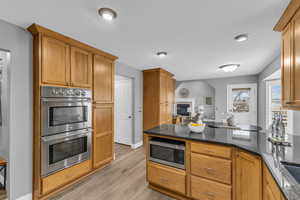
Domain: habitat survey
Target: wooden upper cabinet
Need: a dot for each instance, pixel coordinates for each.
(286, 66)
(103, 80)
(289, 25)
(55, 62)
(163, 88)
(81, 68)
(248, 176)
(295, 90)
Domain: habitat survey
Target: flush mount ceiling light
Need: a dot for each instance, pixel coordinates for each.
(162, 54)
(107, 14)
(229, 67)
(241, 37)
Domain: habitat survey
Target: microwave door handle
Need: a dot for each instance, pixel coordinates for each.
(68, 100)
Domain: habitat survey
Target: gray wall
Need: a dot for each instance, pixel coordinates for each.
(220, 86)
(267, 71)
(19, 42)
(137, 76)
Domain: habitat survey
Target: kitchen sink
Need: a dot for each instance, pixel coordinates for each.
(293, 169)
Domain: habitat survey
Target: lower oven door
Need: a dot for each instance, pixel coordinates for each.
(64, 150)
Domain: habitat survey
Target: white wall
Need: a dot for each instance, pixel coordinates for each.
(19, 43)
(137, 76)
(220, 86)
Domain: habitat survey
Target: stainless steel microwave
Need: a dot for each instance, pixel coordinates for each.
(167, 152)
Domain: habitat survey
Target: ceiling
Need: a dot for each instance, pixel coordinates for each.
(197, 34)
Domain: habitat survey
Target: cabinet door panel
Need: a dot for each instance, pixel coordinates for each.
(286, 65)
(296, 61)
(248, 177)
(103, 135)
(55, 62)
(103, 80)
(81, 68)
(163, 88)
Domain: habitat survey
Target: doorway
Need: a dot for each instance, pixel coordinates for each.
(123, 110)
(242, 103)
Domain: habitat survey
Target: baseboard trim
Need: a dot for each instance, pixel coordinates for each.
(25, 197)
(137, 145)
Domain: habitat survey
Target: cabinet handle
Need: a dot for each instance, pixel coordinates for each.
(210, 170)
(289, 102)
(164, 180)
(210, 195)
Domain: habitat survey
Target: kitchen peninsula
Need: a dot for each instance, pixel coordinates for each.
(220, 164)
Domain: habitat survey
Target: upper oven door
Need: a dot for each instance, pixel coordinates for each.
(65, 114)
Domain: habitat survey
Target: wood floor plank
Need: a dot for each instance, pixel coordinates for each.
(124, 179)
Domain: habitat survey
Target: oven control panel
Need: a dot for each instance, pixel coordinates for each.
(65, 92)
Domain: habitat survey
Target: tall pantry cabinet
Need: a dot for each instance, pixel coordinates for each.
(159, 88)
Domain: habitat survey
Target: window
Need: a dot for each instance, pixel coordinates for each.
(274, 105)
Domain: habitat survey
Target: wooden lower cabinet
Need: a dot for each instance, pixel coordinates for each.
(248, 176)
(211, 149)
(211, 168)
(103, 134)
(167, 177)
(204, 189)
(270, 188)
(63, 177)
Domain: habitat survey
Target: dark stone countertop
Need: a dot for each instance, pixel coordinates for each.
(237, 127)
(254, 142)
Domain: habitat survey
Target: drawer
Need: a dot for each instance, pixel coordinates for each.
(270, 184)
(217, 169)
(167, 177)
(203, 189)
(211, 149)
(65, 176)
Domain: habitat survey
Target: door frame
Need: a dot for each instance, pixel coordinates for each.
(132, 110)
(243, 85)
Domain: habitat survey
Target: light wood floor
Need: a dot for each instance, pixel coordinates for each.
(124, 179)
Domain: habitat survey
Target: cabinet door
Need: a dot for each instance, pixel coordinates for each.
(103, 135)
(296, 61)
(103, 80)
(163, 90)
(55, 62)
(81, 68)
(248, 177)
(286, 64)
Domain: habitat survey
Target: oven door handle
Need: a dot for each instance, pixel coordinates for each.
(67, 135)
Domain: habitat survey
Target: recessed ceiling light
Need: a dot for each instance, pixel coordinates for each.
(241, 37)
(162, 54)
(107, 14)
(229, 67)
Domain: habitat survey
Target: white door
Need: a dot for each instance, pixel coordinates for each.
(123, 110)
(242, 102)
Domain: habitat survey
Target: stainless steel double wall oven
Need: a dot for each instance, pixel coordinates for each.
(66, 127)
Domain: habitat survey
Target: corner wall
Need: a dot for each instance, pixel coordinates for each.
(19, 42)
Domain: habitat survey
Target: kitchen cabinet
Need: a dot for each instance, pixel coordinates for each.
(167, 177)
(65, 65)
(158, 97)
(248, 176)
(81, 68)
(103, 134)
(289, 25)
(61, 61)
(270, 189)
(103, 80)
(55, 68)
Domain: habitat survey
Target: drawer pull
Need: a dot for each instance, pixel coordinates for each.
(210, 170)
(210, 195)
(208, 151)
(164, 180)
